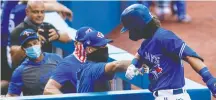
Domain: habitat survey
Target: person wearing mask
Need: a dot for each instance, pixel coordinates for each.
(47, 32)
(32, 75)
(162, 51)
(97, 70)
(64, 78)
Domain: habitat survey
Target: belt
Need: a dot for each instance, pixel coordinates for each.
(173, 91)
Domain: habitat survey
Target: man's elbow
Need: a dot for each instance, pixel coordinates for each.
(46, 91)
(52, 87)
(11, 95)
(49, 88)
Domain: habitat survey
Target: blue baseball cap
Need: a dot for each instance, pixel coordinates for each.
(28, 34)
(82, 32)
(95, 39)
(136, 15)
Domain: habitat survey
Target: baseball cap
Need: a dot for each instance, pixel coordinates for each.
(95, 39)
(27, 34)
(82, 32)
(134, 16)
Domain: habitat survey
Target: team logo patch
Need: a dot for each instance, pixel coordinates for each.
(158, 69)
(27, 33)
(100, 35)
(88, 30)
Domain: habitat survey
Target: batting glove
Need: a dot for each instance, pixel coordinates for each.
(131, 72)
(211, 83)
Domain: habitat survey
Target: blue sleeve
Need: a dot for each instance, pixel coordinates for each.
(57, 58)
(98, 71)
(173, 45)
(187, 51)
(62, 73)
(7, 7)
(15, 86)
(177, 47)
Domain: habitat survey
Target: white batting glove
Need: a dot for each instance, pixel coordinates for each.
(131, 72)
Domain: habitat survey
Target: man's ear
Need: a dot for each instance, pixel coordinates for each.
(75, 43)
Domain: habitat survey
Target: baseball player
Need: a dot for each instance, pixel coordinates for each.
(64, 78)
(163, 52)
(96, 70)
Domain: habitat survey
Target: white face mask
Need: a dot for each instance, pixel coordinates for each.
(33, 52)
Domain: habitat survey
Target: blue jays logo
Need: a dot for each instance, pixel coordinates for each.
(27, 33)
(152, 58)
(88, 30)
(155, 60)
(158, 69)
(100, 35)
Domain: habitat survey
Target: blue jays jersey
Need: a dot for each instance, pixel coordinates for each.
(17, 15)
(7, 7)
(65, 73)
(163, 53)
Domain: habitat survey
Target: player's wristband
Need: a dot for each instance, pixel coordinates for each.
(135, 62)
(206, 75)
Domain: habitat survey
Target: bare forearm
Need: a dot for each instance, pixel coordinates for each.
(195, 63)
(52, 87)
(122, 65)
(52, 6)
(17, 55)
(51, 91)
(64, 37)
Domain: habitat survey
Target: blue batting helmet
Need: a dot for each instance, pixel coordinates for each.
(134, 18)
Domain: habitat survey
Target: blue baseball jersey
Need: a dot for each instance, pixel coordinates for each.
(91, 77)
(6, 9)
(17, 16)
(65, 73)
(31, 77)
(163, 53)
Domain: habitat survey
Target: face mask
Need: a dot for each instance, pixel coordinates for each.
(100, 55)
(80, 53)
(143, 33)
(135, 35)
(33, 52)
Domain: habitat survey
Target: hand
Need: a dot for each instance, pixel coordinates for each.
(131, 72)
(211, 83)
(41, 38)
(53, 35)
(66, 13)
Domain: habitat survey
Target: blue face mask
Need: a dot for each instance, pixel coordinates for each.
(33, 52)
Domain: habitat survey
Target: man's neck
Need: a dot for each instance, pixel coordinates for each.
(30, 22)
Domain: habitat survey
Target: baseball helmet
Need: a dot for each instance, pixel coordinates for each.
(135, 18)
